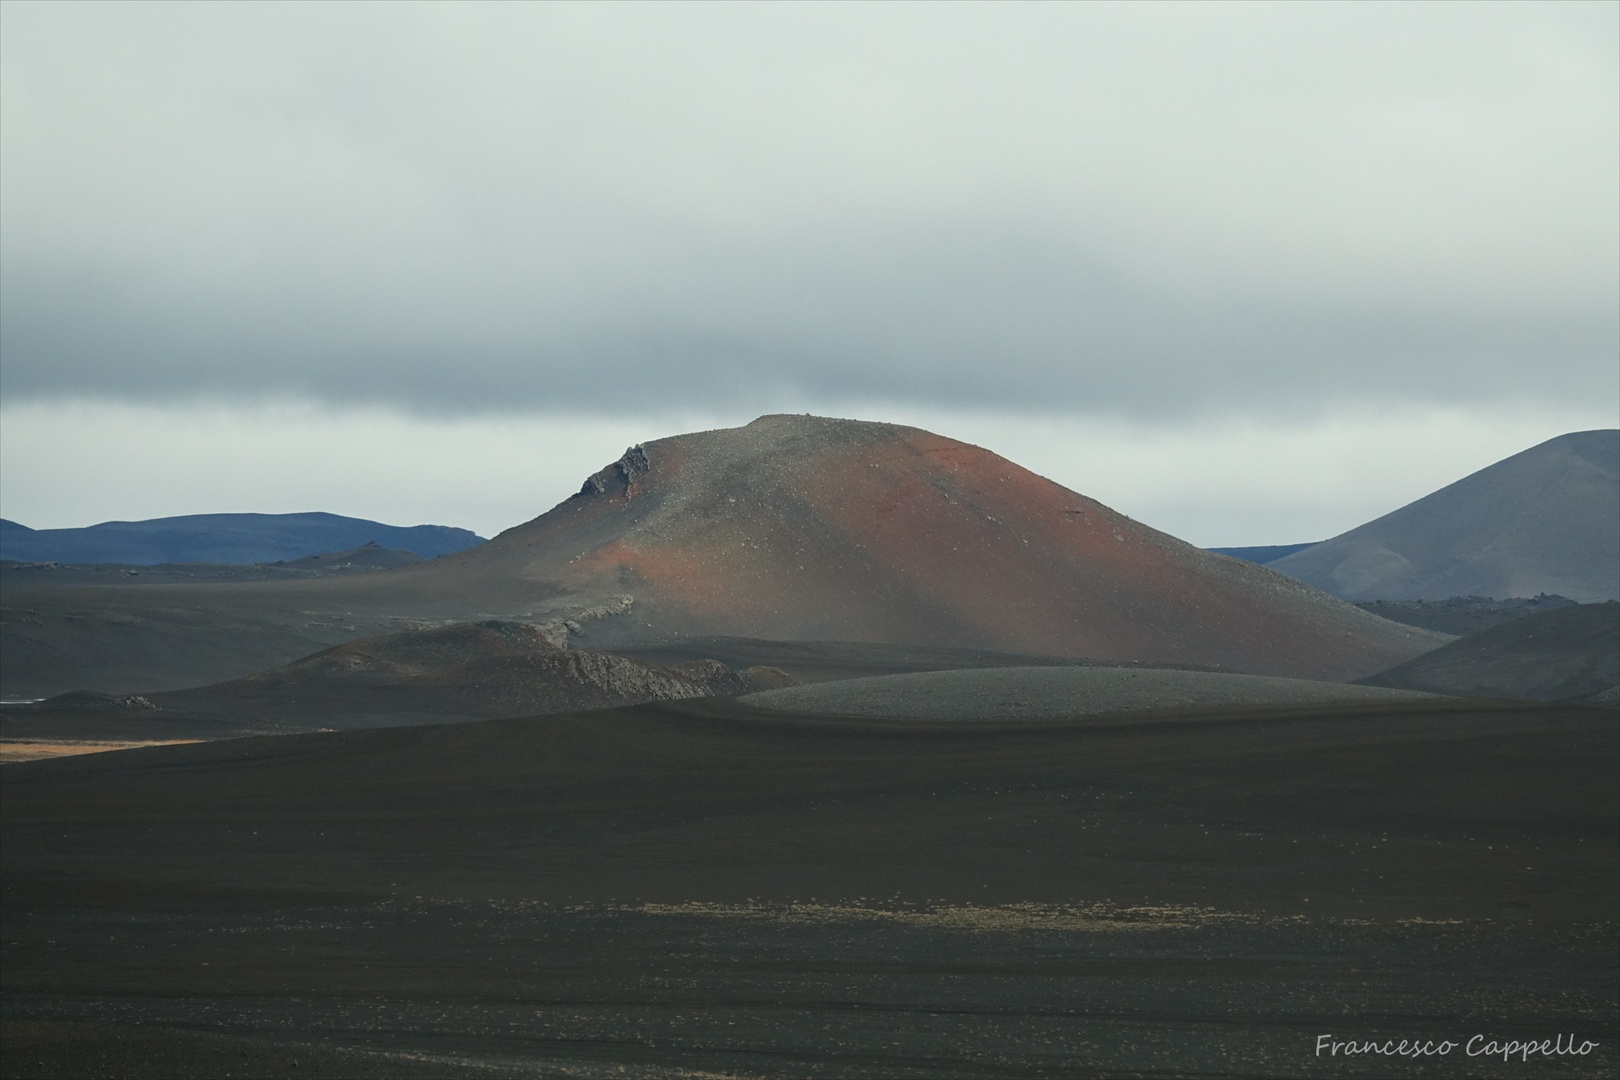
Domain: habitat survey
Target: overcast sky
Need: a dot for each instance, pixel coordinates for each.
(1327, 254)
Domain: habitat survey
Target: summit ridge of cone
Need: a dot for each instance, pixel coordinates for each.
(809, 528)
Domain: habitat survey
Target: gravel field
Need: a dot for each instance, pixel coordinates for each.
(1032, 692)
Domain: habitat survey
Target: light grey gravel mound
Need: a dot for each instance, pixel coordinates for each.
(1035, 692)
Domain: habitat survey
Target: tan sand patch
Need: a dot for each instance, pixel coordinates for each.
(42, 749)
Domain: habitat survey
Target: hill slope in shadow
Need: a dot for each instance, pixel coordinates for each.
(1570, 652)
(454, 673)
(490, 669)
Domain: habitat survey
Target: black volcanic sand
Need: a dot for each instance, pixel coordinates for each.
(464, 671)
(455, 673)
(695, 888)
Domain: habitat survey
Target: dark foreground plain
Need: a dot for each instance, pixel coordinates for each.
(696, 889)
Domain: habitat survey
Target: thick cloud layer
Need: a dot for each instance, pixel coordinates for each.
(1147, 210)
(1212, 480)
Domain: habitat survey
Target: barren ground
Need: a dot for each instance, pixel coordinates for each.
(697, 888)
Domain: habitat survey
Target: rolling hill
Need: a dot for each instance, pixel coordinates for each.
(792, 528)
(1567, 653)
(805, 528)
(1543, 521)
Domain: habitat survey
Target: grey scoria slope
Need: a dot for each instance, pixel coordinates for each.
(1543, 521)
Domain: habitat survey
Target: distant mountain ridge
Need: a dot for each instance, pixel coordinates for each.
(224, 538)
(1546, 520)
(1262, 554)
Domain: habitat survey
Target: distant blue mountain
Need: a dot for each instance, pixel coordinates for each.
(223, 538)
(1262, 555)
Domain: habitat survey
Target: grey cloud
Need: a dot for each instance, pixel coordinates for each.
(1094, 208)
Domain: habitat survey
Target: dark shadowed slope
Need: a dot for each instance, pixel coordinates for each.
(1572, 652)
(488, 669)
(223, 538)
(452, 673)
(1544, 521)
(1462, 615)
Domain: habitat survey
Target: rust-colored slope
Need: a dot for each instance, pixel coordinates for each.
(806, 528)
